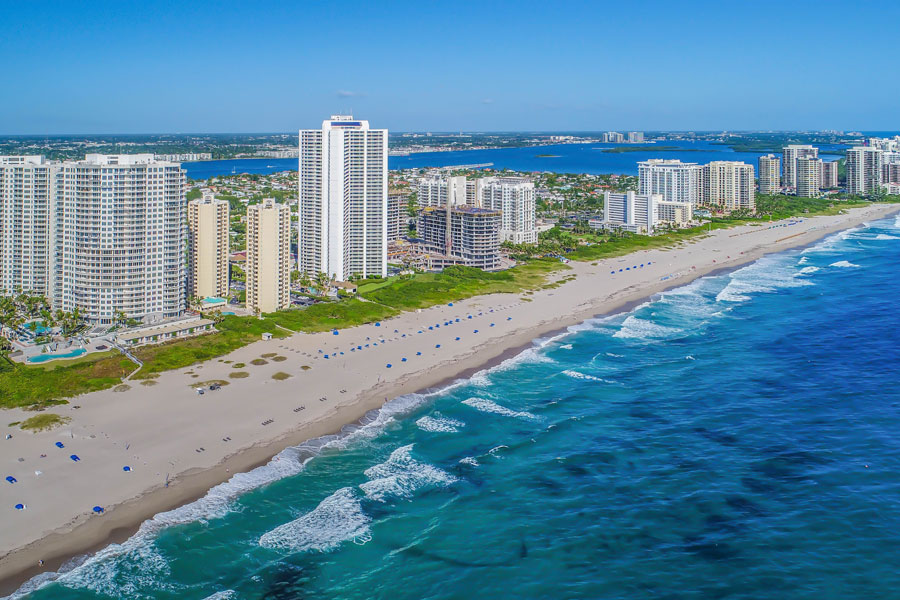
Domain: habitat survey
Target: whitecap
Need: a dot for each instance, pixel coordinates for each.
(468, 460)
(637, 328)
(439, 424)
(808, 270)
(566, 347)
(337, 519)
(582, 376)
(884, 236)
(766, 275)
(845, 264)
(401, 475)
(489, 406)
(223, 595)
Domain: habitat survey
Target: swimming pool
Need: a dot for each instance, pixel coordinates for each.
(225, 314)
(41, 358)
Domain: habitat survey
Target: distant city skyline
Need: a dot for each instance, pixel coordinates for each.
(647, 66)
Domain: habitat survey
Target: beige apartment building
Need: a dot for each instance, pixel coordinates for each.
(268, 256)
(208, 247)
(769, 174)
(807, 176)
(729, 184)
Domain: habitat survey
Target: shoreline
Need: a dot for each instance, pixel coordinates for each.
(123, 519)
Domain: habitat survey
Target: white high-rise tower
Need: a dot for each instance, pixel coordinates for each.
(343, 199)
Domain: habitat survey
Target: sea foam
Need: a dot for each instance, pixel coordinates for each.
(844, 264)
(439, 424)
(337, 519)
(489, 406)
(401, 475)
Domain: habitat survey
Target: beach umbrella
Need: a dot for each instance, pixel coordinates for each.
(457, 339)
(476, 331)
(20, 506)
(418, 354)
(74, 458)
(403, 359)
(492, 324)
(396, 331)
(335, 332)
(389, 365)
(98, 509)
(509, 318)
(377, 324)
(126, 469)
(457, 319)
(437, 345)
(11, 479)
(359, 347)
(320, 351)
(326, 356)
(612, 272)
(403, 335)
(470, 316)
(367, 345)
(430, 328)
(59, 445)
(450, 304)
(342, 353)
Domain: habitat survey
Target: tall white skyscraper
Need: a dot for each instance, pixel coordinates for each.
(674, 180)
(789, 157)
(864, 170)
(729, 184)
(27, 185)
(514, 198)
(119, 237)
(343, 199)
(769, 174)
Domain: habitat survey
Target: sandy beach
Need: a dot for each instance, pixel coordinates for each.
(178, 444)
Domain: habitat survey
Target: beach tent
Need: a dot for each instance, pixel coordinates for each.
(98, 509)
(59, 445)
(11, 479)
(20, 507)
(126, 469)
(74, 458)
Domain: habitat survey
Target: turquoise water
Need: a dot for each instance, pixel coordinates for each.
(733, 438)
(45, 357)
(566, 158)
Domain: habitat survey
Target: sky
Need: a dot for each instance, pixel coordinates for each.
(81, 67)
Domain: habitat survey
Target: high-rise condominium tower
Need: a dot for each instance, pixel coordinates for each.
(790, 154)
(268, 256)
(808, 173)
(864, 170)
(828, 174)
(441, 190)
(514, 198)
(729, 184)
(769, 174)
(674, 180)
(343, 199)
(27, 184)
(208, 247)
(119, 238)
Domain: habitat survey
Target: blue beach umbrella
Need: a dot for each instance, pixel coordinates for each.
(470, 316)
(342, 353)
(437, 345)
(326, 356)
(430, 328)
(457, 319)
(418, 354)
(492, 324)
(403, 359)
(476, 331)
(377, 324)
(335, 332)
(20, 506)
(612, 272)
(457, 339)
(74, 458)
(389, 365)
(127, 469)
(509, 318)
(98, 509)
(11, 479)
(450, 304)
(59, 445)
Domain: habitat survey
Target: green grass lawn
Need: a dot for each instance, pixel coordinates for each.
(47, 384)
(456, 283)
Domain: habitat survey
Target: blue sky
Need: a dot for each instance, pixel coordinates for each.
(131, 67)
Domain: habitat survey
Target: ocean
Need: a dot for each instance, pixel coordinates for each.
(559, 158)
(736, 438)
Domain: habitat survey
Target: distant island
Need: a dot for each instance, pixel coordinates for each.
(653, 147)
(546, 155)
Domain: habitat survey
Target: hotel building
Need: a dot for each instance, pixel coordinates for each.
(729, 184)
(209, 230)
(268, 256)
(674, 180)
(769, 174)
(343, 199)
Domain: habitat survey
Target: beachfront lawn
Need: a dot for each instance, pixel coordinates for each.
(326, 316)
(46, 384)
(457, 283)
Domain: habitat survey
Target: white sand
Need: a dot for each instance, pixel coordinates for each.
(158, 430)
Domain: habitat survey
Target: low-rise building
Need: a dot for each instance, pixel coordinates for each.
(463, 235)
